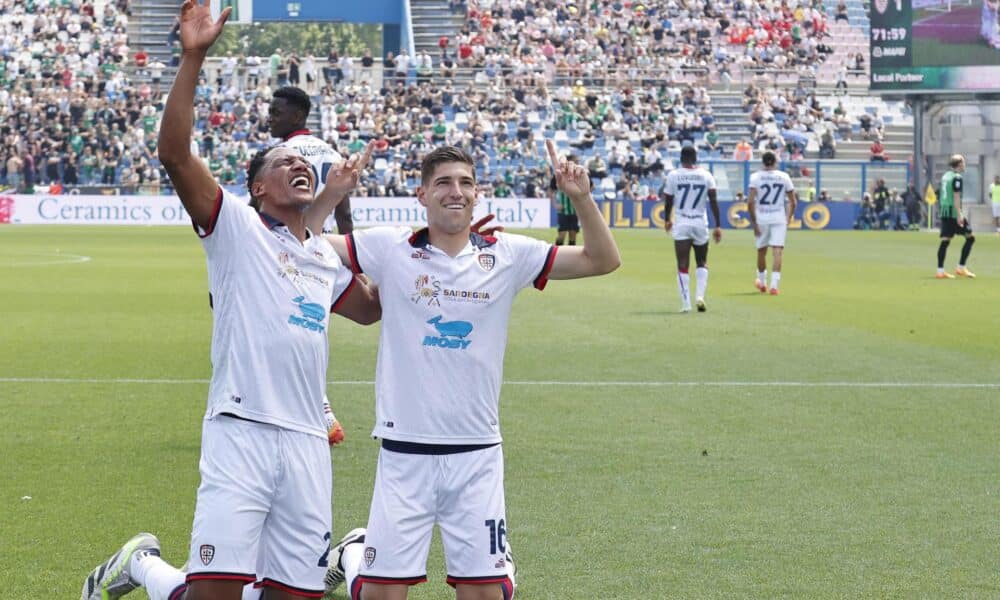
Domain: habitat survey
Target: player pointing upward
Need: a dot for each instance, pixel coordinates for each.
(770, 190)
(262, 511)
(447, 294)
(692, 188)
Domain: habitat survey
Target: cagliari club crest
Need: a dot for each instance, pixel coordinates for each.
(369, 556)
(207, 553)
(487, 261)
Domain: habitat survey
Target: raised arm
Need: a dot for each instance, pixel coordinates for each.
(193, 181)
(339, 182)
(599, 253)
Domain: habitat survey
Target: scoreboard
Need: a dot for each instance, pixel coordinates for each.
(923, 46)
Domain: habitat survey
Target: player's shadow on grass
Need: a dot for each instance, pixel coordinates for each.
(753, 293)
(658, 313)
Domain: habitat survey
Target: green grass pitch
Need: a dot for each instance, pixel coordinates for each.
(837, 441)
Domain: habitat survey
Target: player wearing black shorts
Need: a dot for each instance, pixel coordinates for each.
(953, 221)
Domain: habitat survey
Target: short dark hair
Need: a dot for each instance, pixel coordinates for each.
(689, 155)
(253, 169)
(769, 159)
(294, 96)
(441, 155)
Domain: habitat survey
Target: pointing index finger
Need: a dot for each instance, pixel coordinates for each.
(367, 156)
(553, 157)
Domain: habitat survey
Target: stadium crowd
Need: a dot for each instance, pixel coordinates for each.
(625, 98)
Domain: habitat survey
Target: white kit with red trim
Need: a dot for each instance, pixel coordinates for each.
(444, 329)
(271, 301)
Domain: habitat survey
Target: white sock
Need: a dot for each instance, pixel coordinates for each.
(350, 560)
(775, 278)
(156, 576)
(684, 287)
(328, 413)
(702, 283)
(762, 277)
(251, 593)
(940, 269)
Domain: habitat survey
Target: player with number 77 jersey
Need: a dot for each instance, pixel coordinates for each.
(690, 191)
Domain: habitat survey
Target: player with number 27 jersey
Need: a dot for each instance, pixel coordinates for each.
(772, 190)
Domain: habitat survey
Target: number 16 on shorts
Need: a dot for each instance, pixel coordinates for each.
(498, 534)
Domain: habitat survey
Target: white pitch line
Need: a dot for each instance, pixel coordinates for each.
(734, 384)
(48, 258)
(51, 258)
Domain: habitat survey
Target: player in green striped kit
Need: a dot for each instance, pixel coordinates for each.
(953, 220)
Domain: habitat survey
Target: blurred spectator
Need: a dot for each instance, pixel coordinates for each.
(141, 59)
(27, 173)
(866, 214)
(743, 151)
(841, 11)
(174, 34)
(597, 168)
(880, 200)
(827, 145)
(897, 210)
(14, 172)
(878, 151)
(913, 205)
(712, 142)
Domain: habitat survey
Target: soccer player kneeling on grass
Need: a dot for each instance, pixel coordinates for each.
(770, 191)
(690, 186)
(447, 294)
(262, 511)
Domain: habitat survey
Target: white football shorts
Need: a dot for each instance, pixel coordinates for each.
(463, 493)
(263, 507)
(996, 210)
(687, 230)
(771, 234)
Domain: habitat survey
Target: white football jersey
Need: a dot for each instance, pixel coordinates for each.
(271, 300)
(689, 186)
(444, 329)
(772, 188)
(321, 156)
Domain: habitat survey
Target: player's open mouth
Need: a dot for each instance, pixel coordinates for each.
(302, 182)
